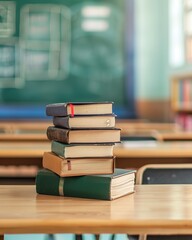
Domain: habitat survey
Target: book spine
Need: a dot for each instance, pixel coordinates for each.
(58, 148)
(83, 187)
(57, 134)
(186, 92)
(56, 110)
(61, 122)
(52, 162)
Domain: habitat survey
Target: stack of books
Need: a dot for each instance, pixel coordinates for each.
(81, 162)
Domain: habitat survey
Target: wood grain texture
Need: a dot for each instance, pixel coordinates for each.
(128, 150)
(24, 137)
(23, 149)
(24, 130)
(154, 150)
(174, 135)
(152, 209)
(127, 125)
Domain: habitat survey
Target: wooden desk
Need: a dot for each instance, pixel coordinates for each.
(160, 132)
(23, 150)
(36, 130)
(19, 125)
(174, 135)
(127, 126)
(136, 154)
(24, 130)
(19, 161)
(152, 209)
(129, 155)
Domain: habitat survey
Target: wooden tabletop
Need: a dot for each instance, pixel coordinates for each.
(174, 135)
(152, 149)
(24, 149)
(24, 130)
(152, 209)
(36, 130)
(129, 149)
(127, 126)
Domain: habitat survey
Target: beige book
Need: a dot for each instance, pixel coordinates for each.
(79, 108)
(66, 167)
(101, 121)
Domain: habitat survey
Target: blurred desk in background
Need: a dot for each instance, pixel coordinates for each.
(177, 135)
(129, 154)
(22, 144)
(20, 160)
(24, 125)
(36, 130)
(128, 125)
(135, 154)
(24, 130)
(152, 131)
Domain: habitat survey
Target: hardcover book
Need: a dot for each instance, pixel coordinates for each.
(101, 121)
(83, 135)
(82, 150)
(79, 108)
(104, 187)
(66, 167)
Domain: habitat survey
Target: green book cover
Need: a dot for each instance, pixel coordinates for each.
(82, 150)
(105, 187)
(59, 148)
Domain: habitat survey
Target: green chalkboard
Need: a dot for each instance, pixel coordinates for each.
(62, 50)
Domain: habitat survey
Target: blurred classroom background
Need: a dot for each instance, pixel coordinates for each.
(136, 53)
(123, 51)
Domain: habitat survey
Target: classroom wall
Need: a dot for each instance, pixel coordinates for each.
(151, 61)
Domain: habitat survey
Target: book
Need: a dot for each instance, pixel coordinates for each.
(101, 121)
(104, 187)
(79, 108)
(82, 150)
(83, 135)
(66, 167)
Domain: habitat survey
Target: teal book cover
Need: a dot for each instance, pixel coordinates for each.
(82, 150)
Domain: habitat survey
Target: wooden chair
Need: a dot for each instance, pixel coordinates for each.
(165, 174)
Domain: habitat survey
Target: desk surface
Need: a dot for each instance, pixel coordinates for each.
(36, 130)
(129, 155)
(127, 126)
(24, 149)
(158, 209)
(130, 149)
(174, 135)
(153, 149)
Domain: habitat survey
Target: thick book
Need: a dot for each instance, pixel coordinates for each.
(104, 187)
(79, 108)
(82, 150)
(101, 121)
(83, 135)
(66, 167)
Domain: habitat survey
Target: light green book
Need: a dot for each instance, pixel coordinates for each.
(82, 150)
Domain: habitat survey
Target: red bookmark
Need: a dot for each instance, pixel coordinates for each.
(69, 165)
(71, 109)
